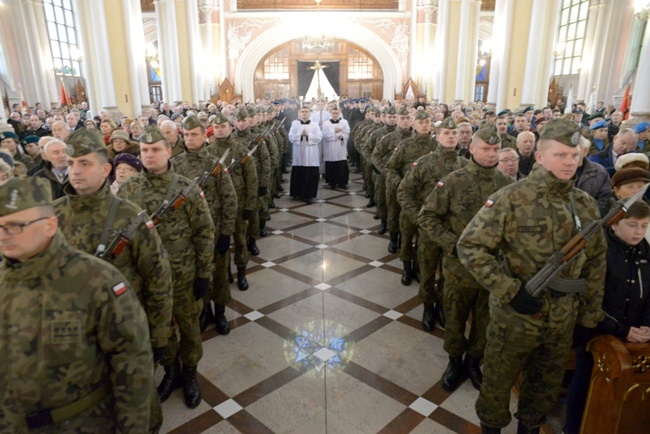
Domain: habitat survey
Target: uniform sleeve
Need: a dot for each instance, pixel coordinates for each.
(264, 159)
(228, 203)
(407, 195)
(123, 337)
(250, 180)
(378, 153)
(476, 247)
(202, 236)
(393, 166)
(431, 219)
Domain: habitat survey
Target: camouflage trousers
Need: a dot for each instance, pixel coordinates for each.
(429, 256)
(538, 349)
(186, 321)
(380, 195)
(464, 296)
(408, 232)
(367, 177)
(393, 212)
(253, 229)
(155, 412)
(239, 238)
(220, 290)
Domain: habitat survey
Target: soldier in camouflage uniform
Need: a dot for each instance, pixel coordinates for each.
(246, 120)
(444, 215)
(364, 136)
(354, 135)
(389, 115)
(416, 186)
(188, 236)
(90, 217)
(75, 350)
(407, 152)
(244, 178)
(281, 140)
(528, 222)
(507, 141)
(383, 151)
(221, 197)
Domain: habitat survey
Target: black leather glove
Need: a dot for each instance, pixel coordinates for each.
(201, 287)
(159, 353)
(526, 304)
(582, 335)
(223, 243)
(262, 191)
(247, 214)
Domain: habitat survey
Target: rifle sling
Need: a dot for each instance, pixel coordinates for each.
(108, 225)
(172, 188)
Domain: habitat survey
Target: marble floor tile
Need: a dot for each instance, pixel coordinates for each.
(366, 246)
(323, 209)
(358, 219)
(282, 220)
(274, 247)
(352, 201)
(268, 286)
(381, 286)
(321, 232)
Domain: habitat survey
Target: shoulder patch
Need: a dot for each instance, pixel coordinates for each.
(202, 194)
(415, 164)
(440, 184)
(489, 203)
(149, 224)
(119, 289)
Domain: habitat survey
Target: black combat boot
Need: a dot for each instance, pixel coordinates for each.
(220, 319)
(382, 228)
(489, 430)
(206, 316)
(523, 429)
(171, 381)
(416, 270)
(242, 283)
(252, 246)
(452, 375)
(272, 203)
(472, 367)
(429, 317)
(231, 279)
(394, 239)
(407, 274)
(439, 312)
(263, 231)
(371, 203)
(191, 390)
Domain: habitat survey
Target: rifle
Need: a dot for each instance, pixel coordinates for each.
(121, 239)
(215, 169)
(257, 140)
(242, 160)
(168, 206)
(560, 259)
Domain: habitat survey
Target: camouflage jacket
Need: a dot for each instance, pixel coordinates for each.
(272, 144)
(358, 127)
(528, 222)
(244, 176)
(406, 153)
(455, 200)
(387, 147)
(282, 138)
(143, 262)
(507, 141)
(421, 179)
(364, 136)
(219, 190)
(187, 233)
(262, 157)
(374, 138)
(71, 323)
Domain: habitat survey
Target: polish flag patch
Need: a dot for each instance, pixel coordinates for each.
(202, 195)
(149, 224)
(489, 203)
(440, 184)
(119, 289)
(415, 164)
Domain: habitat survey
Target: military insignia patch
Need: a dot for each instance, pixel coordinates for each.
(575, 138)
(149, 224)
(13, 197)
(440, 184)
(415, 164)
(119, 289)
(148, 138)
(489, 203)
(202, 195)
(66, 332)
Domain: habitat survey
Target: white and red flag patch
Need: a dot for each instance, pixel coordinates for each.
(119, 289)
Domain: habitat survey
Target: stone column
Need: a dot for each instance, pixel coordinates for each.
(168, 50)
(640, 107)
(594, 25)
(463, 44)
(441, 50)
(498, 39)
(136, 52)
(532, 73)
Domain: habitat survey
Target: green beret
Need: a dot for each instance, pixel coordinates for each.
(448, 124)
(489, 134)
(528, 109)
(403, 112)
(390, 110)
(8, 135)
(220, 119)
(376, 111)
(596, 116)
(422, 114)
(561, 130)
(84, 141)
(252, 111)
(19, 194)
(242, 114)
(152, 135)
(191, 122)
(30, 139)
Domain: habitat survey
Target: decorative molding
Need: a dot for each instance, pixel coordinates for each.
(398, 34)
(239, 35)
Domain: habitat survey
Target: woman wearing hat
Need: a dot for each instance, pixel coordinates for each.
(119, 143)
(124, 166)
(9, 141)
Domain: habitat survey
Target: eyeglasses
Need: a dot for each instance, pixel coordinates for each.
(509, 160)
(17, 228)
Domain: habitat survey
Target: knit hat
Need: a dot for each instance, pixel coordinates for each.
(633, 159)
(129, 159)
(119, 134)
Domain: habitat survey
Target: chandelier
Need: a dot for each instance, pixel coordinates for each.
(317, 40)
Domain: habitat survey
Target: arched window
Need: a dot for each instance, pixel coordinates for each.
(571, 36)
(63, 37)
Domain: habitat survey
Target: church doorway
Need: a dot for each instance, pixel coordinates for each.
(351, 71)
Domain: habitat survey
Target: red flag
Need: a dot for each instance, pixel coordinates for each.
(22, 97)
(63, 96)
(625, 104)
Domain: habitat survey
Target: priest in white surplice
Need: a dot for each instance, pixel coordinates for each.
(305, 137)
(335, 150)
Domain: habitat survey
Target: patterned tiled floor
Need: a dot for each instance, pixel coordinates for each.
(326, 340)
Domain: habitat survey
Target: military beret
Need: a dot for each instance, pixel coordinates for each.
(528, 109)
(6, 157)
(220, 119)
(376, 111)
(503, 112)
(489, 134)
(403, 111)
(561, 130)
(390, 110)
(129, 159)
(598, 125)
(596, 116)
(448, 124)
(627, 176)
(276, 102)
(30, 139)
(270, 109)
(422, 114)
(19, 194)
(191, 122)
(641, 127)
(152, 135)
(252, 111)
(8, 135)
(209, 131)
(85, 141)
(242, 114)
(119, 134)
(632, 159)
